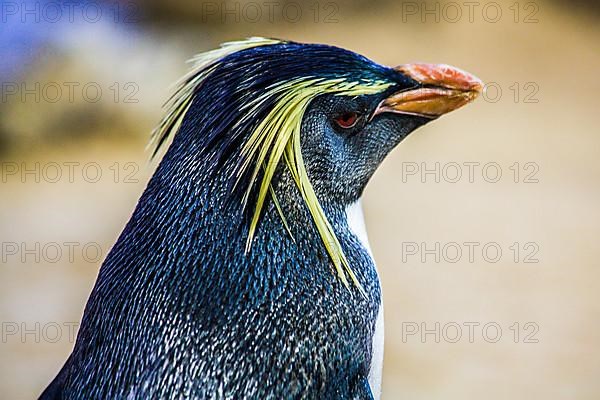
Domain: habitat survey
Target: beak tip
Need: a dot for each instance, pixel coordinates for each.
(476, 87)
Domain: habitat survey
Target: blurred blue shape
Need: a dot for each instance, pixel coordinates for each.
(31, 28)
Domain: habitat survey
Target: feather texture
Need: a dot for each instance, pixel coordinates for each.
(276, 137)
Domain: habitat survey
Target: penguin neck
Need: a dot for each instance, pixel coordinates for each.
(187, 208)
(187, 238)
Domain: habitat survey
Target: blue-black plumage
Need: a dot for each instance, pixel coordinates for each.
(188, 303)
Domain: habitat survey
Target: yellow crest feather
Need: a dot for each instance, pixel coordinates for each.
(278, 135)
(181, 99)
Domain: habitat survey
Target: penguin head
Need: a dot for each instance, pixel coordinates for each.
(324, 115)
(346, 137)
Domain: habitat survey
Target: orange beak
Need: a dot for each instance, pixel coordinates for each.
(444, 89)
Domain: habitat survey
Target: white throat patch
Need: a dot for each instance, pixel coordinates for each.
(356, 222)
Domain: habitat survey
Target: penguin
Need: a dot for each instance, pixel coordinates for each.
(245, 271)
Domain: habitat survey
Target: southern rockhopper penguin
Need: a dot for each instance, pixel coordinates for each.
(243, 272)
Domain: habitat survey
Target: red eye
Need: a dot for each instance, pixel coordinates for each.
(347, 120)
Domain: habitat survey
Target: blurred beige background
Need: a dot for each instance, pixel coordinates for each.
(540, 111)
